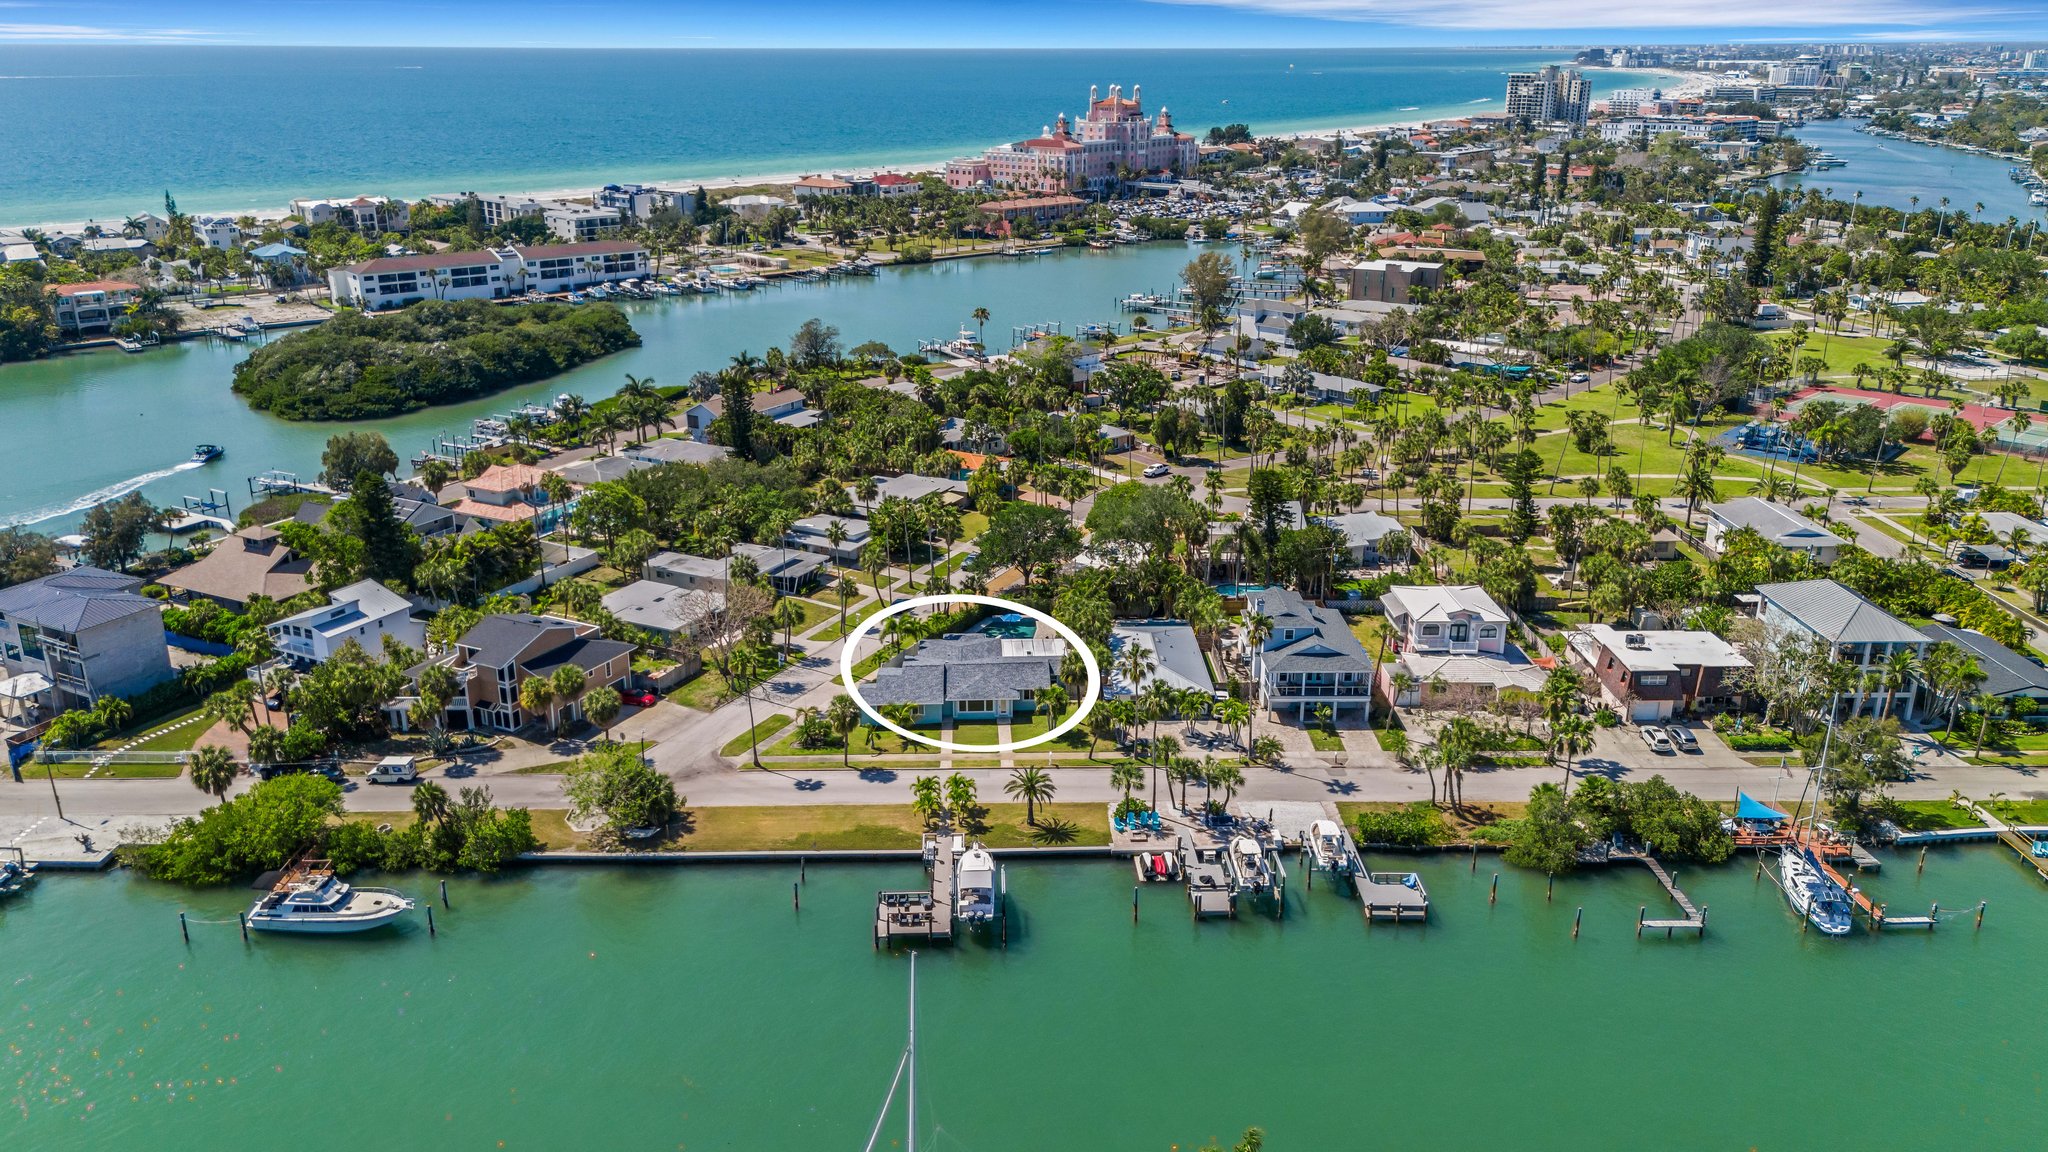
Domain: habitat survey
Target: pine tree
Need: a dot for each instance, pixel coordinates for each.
(738, 391)
(389, 550)
(1757, 269)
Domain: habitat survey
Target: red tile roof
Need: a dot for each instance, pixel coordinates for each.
(85, 286)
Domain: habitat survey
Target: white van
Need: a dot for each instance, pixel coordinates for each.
(394, 770)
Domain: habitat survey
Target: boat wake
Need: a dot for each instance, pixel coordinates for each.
(1481, 100)
(96, 496)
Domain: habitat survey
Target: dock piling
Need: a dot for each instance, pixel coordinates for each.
(431, 930)
(1549, 887)
(1493, 894)
(1980, 913)
(183, 929)
(1642, 910)
(1577, 915)
(1923, 861)
(796, 903)
(1475, 857)
(801, 876)
(444, 894)
(1933, 915)
(242, 918)
(1134, 903)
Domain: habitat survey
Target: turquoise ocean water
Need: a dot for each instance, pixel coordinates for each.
(109, 128)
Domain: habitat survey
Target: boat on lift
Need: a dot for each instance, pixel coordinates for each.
(975, 886)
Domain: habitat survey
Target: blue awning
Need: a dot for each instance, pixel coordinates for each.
(1748, 809)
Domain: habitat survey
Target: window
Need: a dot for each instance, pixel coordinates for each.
(1430, 630)
(1488, 632)
(975, 706)
(1653, 679)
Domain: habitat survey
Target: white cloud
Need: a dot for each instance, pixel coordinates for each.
(1501, 15)
(92, 33)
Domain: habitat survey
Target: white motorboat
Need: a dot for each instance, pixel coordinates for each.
(15, 874)
(312, 899)
(1812, 893)
(1326, 845)
(974, 885)
(1248, 861)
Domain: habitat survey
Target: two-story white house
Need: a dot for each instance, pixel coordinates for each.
(814, 534)
(364, 612)
(1452, 637)
(1309, 657)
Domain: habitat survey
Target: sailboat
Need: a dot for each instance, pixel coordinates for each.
(906, 1075)
(1812, 892)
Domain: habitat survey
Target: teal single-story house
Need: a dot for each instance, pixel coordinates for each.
(969, 677)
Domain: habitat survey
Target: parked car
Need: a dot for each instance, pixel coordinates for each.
(638, 697)
(1683, 738)
(394, 770)
(1155, 471)
(1580, 378)
(1657, 740)
(273, 771)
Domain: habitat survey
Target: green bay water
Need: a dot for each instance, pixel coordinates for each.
(691, 1007)
(1893, 172)
(84, 427)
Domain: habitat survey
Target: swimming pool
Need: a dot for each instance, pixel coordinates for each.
(1238, 589)
(1010, 626)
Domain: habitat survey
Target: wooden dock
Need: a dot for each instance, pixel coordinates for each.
(1396, 896)
(1695, 918)
(920, 915)
(2024, 845)
(1874, 913)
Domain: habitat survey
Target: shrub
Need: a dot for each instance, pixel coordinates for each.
(1606, 717)
(264, 827)
(1757, 741)
(1415, 826)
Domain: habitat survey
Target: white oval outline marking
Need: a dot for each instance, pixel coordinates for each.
(1088, 700)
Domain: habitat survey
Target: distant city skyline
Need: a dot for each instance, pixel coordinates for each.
(1014, 24)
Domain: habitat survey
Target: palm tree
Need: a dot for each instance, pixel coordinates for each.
(1570, 735)
(1897, 672)
(430, 802)
(568, 683)
(535, 696)
(843, 716)
(1033, 787)
(925, 799)
(787, 615)
(1126, 777)
(980, 322)
(213, 770)
(1234, 714)
(746, 664)
(845, 589)
(601, 705)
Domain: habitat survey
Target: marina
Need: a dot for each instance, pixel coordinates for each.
(711, 994)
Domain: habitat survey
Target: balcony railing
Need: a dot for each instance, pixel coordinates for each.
(1320, 689)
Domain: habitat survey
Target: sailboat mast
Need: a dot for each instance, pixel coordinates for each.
(910, 1108)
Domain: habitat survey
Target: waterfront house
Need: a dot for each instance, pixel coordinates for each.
(500, 653)
(821, 188)
(217, 231)
(365, 215)
(698, 417)
(1775, 523)
(1452, 639)
(1309, 658)
(814, 534)
(1176, 658)
(90, 305)
(69, 638)
(252, 562)
(600, 469)
(364, 612)
(1648, 676)
(889, 185)
(968, 677)
(753, 207)
(1860, 632)
(2008, 675)
(640, 201)
(508, 493)
(118, 246)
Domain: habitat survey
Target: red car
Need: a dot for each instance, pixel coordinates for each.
(639, 698)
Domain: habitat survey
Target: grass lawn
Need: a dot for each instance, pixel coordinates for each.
(1934, 815)
(855, 613)
(1038, 724)
(815, 614)
(1369, 627)
(769, 726)
(2018, 811)
(979, 732)
(973, 524)
(1843, 353)
(845, 826)
(179, 741)
(707, 689)
(1605, 399)
(1325, 741)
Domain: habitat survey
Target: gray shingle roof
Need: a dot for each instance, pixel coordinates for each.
(1328, 646)
(499, 640)
(75, 600)
(1838, 613)
(961, 668)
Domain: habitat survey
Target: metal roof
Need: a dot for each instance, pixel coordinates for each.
(75, 600)
(2006, 672)
(1838, 613)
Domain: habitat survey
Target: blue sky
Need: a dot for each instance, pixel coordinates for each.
(1010, 23)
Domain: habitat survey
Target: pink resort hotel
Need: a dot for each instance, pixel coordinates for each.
(1114, 143)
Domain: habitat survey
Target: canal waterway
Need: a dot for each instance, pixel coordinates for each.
(658, 1008)
(85, 427)
(1891, 172)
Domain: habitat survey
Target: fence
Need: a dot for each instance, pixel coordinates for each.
(92, 756)
(194, 644)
